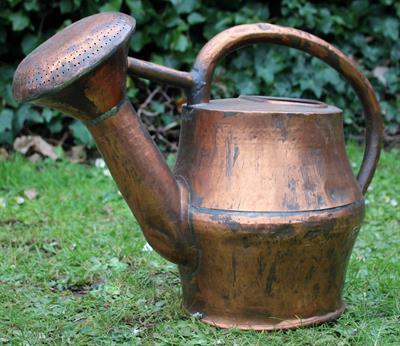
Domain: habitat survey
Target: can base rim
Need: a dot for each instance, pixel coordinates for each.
(236, 323)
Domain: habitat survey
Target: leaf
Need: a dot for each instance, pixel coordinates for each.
(137, 10)
(185, 6)
(24, 144)
(327, 75)
(6, 117)
(19, 21)
(31, 5)
(77, 3)
(138, 41)
(390, 28)
(82, 134)
(55, 126)
(310, 84)
(31, 194)
(379, 73)
(27, 113)
(29, 43)
(66, 6)
(180, 43)
(243, 60)
(167, 119)
(158, 107)
(325, 22)
(8, 96)
(59, 151)
(268, 64)
(111, 5)
(48, 114)
(195, 18)
(6, 72)
(246, 85)
(172, 21)
(171, 159)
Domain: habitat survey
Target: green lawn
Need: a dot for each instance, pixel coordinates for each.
(73, 270)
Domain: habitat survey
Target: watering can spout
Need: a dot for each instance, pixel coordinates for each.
(158, 200)
(81, 71)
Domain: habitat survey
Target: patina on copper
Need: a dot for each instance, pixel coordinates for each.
(275, 209)
(88, 90)
(262, 210)
(167, 75)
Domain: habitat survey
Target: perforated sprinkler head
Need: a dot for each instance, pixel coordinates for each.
(81, 70)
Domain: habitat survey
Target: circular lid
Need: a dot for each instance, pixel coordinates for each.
(266, 104)
(70, 53)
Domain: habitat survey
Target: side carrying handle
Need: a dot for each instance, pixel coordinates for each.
(239, 36)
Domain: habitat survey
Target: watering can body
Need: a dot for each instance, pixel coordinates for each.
(274, 209)
(262, 209)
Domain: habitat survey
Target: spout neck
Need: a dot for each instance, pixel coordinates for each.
(153, 194)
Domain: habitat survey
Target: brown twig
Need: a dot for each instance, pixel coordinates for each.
(148, 100)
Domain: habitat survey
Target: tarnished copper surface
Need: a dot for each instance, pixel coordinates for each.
(149, 70)
(70, 53)
(275, 209)
(246, 155)
(87, 93)
(263, 209)
(157, 199)
(242, 35)
(269, 270)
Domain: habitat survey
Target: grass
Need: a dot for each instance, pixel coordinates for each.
(73, 270)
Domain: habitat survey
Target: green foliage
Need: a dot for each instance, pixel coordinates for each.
(172, 32)
(81, 134)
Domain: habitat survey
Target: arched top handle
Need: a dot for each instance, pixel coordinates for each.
(242, 35)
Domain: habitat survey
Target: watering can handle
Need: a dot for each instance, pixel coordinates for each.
(242, 35)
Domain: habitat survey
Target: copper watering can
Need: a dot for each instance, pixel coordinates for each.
(262, 210)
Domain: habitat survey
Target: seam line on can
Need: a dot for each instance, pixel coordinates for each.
(112, 111)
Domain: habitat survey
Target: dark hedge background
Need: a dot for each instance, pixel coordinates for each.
(172, 32)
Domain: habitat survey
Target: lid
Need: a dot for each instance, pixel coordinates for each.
(73, 51)
(267, 104)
